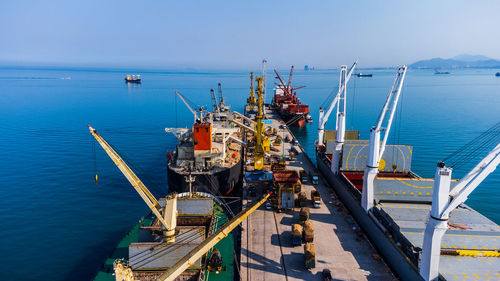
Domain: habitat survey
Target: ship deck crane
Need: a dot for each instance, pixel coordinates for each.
(215, 106)
(444, 202)
(243, 117)
(124, 273)
(261, 143)
(210, 242)
(251, 100)
(243, 126)
(221, 97)
(323, 117)
(376, 149)
(196, 117)
(166, 216)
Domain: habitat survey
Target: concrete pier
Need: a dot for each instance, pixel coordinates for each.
(268, 254)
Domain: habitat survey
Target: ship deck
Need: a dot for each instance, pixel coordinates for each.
(470, 247)
(267, 252)
(225, 247)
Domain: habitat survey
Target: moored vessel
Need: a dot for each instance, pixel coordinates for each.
(210, 151)
(405, 216)
(288, 105)
(179, 226)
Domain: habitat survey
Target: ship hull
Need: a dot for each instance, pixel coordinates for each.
(297, 120)
(400, 263)
(224, 182)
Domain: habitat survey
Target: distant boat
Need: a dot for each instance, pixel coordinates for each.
(498, 74)
(440, 72)
(363, 75)
(133, 78)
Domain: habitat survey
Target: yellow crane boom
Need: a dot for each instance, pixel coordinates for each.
(145, 194)
(208, 243)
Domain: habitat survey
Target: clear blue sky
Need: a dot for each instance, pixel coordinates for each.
(238, 34)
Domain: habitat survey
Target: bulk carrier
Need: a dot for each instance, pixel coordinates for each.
(288, 105)
(210, 151)
(392, 204)
(187, 236)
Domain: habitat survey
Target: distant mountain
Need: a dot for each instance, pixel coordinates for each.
(466, 57)
(460, 61)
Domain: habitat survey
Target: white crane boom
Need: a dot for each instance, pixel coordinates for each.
(390, 105)
(444, 202)
(145, 194)
(376, 149)
(243, 126)
(323, 117)
(196, 117)
(243, 117)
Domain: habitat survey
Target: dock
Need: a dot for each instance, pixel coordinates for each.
(267, 252)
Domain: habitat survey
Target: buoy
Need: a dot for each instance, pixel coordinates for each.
(95, 179)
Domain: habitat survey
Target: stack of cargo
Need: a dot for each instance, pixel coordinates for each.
(303, 215)
(296, 234)
(309, 255)
(308, 231)
(302, 199)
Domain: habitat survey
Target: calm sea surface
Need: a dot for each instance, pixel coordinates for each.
(58, 224)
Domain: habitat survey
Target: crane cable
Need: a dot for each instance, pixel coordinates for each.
(353, 106)
(478, 145)
(397, 127)
(94, 152)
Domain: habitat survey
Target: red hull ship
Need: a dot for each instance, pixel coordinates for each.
(288, 105)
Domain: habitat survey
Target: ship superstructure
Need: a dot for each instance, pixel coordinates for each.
(210, 150)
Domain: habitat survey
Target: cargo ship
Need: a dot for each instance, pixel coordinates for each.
(184, 225)
(210, 150)
(147, 257)
(288, 105)
(406, 216)
(133, 78)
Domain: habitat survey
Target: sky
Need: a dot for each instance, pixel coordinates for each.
(239, 34)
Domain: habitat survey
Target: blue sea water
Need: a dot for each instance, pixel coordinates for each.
(58, 224)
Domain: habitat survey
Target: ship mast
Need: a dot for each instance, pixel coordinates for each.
(444, 202)
(376, 148)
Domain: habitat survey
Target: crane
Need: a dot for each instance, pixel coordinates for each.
(167, 215)
(208, 243)
(221, 97)
(251, 100)
(215, 106)
(124, 273)
(340, 122)
(261, 143)
(264, 63)
(376, 149)
(323, 117)
(444, 202)
(196, 117)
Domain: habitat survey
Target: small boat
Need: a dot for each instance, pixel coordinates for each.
(133, 78)
(309, 119)
(436, 71)
(497, 74)
(364, 75)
